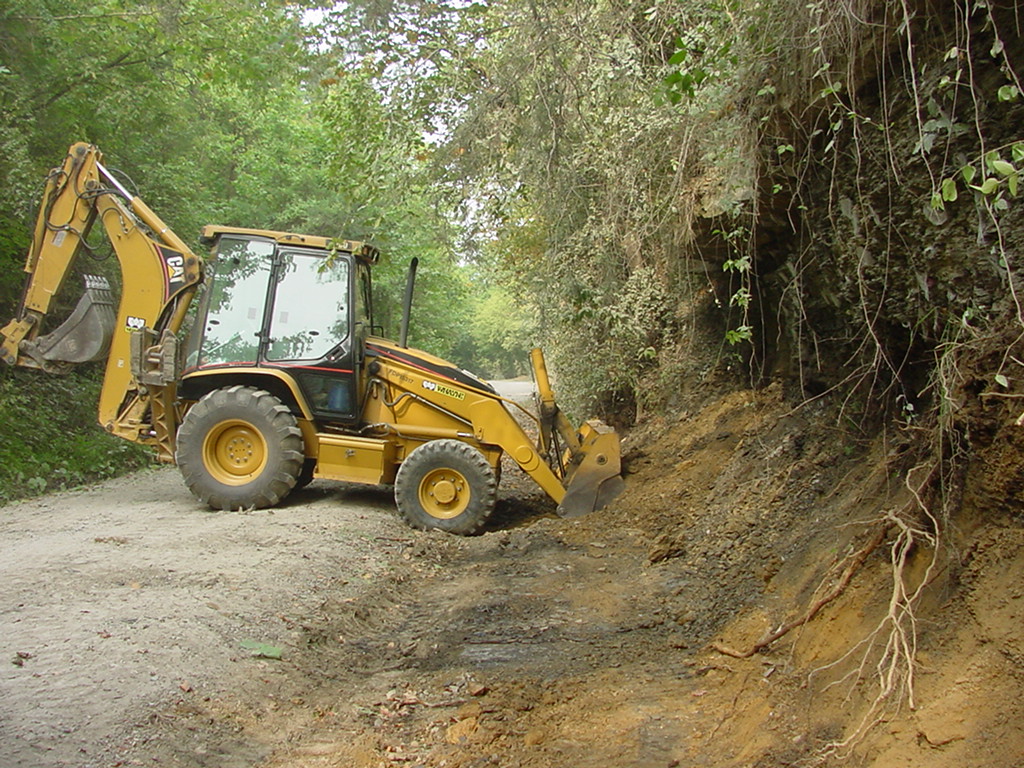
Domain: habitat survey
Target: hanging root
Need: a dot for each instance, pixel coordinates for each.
(849, 566)
(895, 665)
(900, 617)
(891, 646)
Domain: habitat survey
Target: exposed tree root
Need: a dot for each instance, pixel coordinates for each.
(904, 543)
(851, 563)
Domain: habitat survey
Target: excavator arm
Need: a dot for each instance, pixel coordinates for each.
(587, 460)
(159, 278)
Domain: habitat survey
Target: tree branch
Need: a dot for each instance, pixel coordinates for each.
(120, 61)
(81, 16)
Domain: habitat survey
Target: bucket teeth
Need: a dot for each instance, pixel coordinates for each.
(86, 334)
(96, 282)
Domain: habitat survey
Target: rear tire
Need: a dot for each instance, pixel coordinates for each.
(447, 485)
(240, 448)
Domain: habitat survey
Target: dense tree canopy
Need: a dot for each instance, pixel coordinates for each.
(228, 112)
(218, 111)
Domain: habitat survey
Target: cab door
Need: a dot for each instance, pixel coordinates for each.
(309, 329)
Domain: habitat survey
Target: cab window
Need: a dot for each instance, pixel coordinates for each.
(310, 316)
(237, 293)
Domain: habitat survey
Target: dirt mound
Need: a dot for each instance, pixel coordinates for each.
(649, 634)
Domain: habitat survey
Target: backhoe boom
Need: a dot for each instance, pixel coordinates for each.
(159, 277)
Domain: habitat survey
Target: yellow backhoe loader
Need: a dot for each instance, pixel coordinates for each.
(280, 379)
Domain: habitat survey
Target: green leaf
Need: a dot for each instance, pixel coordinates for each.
(988, 186)
(261, 650)
(741, 298)
(969, 172)
(831, 89)
(743, 333)
(742, 264)
(949, 192)
(1002, 381)
(1002, 167)
(937, 203)
(1017, 150)
(1012, 183)
(1008, 93)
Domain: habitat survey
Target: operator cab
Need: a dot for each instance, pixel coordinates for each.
(284, 306)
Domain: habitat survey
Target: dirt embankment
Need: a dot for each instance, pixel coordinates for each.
(543, 642)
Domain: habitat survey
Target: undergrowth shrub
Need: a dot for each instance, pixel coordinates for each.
(49, 438)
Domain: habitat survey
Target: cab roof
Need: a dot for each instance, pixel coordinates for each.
(209, 234)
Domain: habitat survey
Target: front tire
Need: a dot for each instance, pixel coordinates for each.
(448, 485)
(240, 448)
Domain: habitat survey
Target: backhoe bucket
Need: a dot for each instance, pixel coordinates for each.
(86, 334)
(596, 479)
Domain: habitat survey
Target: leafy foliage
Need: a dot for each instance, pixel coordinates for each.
(608, 180)
(50, 439)
(570, 149)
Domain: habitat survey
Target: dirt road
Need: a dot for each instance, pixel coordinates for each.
(140, 629)
(123, 598)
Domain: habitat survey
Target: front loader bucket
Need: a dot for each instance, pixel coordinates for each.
(86, 334)
(596, 479)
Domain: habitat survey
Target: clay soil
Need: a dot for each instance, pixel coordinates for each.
(139, 629)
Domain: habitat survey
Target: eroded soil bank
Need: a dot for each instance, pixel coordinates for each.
(543, 642)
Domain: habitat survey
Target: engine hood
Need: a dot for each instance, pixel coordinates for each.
(417, 358)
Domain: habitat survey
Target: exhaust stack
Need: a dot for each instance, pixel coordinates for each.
(410, 281)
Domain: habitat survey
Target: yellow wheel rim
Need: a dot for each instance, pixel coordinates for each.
(444, 493)
(234, 452)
